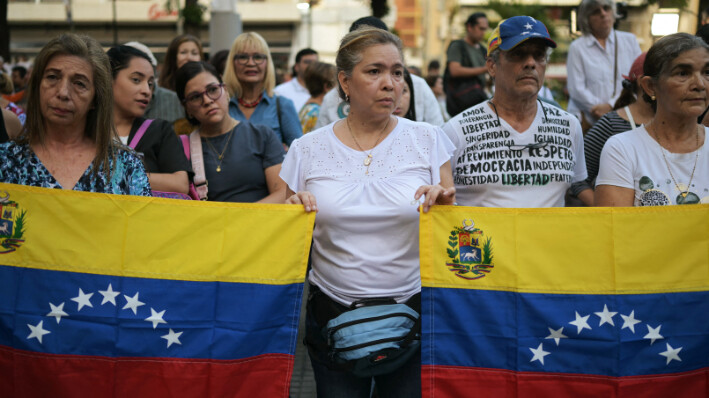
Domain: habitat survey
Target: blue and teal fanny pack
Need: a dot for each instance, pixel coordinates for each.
(374, 339)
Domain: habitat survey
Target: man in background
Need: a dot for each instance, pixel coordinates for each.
(294, 89)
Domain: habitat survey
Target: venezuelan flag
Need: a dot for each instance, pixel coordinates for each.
(565, 302)
(123, 296)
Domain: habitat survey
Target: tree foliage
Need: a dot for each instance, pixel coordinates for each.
(511, 9)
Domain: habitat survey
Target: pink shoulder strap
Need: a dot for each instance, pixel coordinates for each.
(200, 180)
(139, 134)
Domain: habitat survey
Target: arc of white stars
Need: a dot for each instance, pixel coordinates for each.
(606, 316)
(539, 353)
(156, 317)
(36, 332)
(557, 335)
(629, 321)
(83, 299)
(671, 354)
(57, 311)
(109, 295)
(133, 303)
(653, 334)
(581, 323)
(172, 338)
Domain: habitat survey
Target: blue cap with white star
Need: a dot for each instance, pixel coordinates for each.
(513, 31)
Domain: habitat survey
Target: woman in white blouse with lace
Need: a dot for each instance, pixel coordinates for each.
(365, 176)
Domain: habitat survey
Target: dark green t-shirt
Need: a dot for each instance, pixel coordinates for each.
(475, 55)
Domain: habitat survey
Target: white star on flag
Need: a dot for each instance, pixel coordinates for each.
(629, 321)
(57, 311)
(671, 353)
(37, 332)
(155, 317)
(653, 334)
(581, 323)
(83, 299)
(556, 334)
(172, 337)
(109, 296)
(133, 303)
(606, 316)
(539, 354)
(528, 26)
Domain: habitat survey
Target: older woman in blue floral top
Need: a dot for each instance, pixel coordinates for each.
(69, 138)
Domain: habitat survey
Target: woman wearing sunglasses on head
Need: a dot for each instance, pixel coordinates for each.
(241, 160)
(250, 79)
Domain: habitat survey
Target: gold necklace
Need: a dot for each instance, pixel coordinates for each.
(368, 159)
(220, 156)
(662, 150)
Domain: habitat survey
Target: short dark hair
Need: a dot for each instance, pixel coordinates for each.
(218, 60)
(319, 76)
(21, 70)
(703, 33)
(368, 21)
(474, 17)
(120, 57)
(186, 73)
(435, 64)
(304, 52)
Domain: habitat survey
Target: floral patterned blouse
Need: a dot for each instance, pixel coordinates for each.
(20, 165)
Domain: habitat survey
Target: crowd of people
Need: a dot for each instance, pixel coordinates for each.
(366, 142)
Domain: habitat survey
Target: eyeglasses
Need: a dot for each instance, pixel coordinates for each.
(534, 145)
(243, 59)
(213, 91)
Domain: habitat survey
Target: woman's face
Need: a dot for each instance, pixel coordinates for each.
(377, 81)
(187, 52)
(66, 91)
(404, 102)
(133, 88)
(682, 88)
(601, 20)
(198, 103)
(253, 71)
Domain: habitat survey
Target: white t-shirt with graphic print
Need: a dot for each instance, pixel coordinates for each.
(496, 166)
(634, 159)
(365, 242)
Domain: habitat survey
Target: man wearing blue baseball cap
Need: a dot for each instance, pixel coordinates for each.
(513, 150)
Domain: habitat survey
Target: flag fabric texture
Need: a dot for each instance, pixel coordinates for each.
(123, 296)
(565, 302)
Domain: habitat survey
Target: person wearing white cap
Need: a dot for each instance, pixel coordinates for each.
(513, 150)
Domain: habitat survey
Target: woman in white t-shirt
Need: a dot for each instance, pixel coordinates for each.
(368, 173)
(664, 162)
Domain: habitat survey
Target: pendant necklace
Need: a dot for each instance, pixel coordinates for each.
(220, 156)
(682, 194)
(368, 159)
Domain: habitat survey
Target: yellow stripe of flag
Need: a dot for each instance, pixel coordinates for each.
(160, 238)
(574, 251)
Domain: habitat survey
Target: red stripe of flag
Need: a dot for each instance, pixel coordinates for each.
(452, 381)
(29, 374)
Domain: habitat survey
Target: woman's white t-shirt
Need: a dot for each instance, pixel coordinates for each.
(634, 159)
(365, 242)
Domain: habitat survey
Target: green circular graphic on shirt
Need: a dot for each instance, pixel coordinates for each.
(690, 199)
(645, 183)
(653, 197)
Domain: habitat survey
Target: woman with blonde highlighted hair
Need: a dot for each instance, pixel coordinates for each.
(250, 78)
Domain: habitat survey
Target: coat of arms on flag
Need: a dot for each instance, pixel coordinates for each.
(12, 224)
(469, 252)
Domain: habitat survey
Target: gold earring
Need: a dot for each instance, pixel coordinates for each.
(652, 97)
